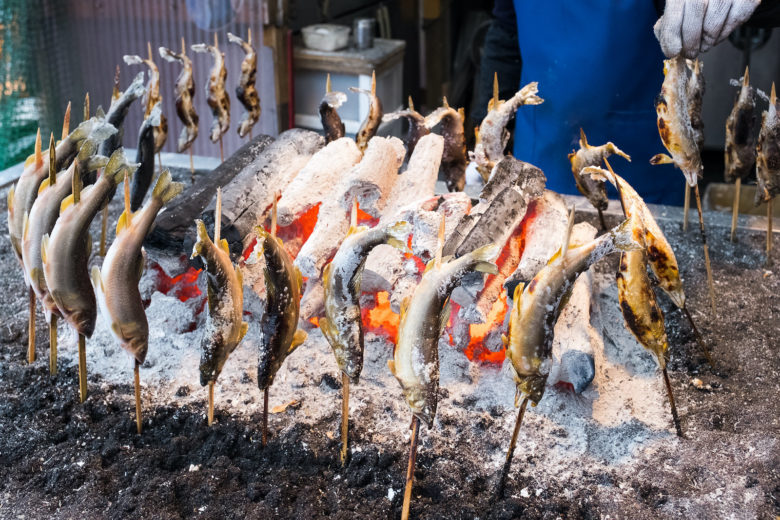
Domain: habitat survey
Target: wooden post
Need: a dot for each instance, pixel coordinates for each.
(137, 378)
(410, 469)
(735, 209)
(82, 368)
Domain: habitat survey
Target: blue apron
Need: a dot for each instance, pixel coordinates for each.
(599, 67)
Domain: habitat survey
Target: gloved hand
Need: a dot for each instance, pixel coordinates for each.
(689, 27)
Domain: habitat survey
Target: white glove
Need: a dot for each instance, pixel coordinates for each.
(689, 27)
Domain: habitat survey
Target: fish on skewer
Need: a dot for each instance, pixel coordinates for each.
(225, 327)
(535, 311)
(493, 136)
(454, 158)
(152, 96)
(329, 116)
(679, 138)
(120, 105)
(184, 91)
(696, 88)
(740, 150)
(280, 335)
(144, 156)
(768, 164)
(595, 191)
(116, 283)
(417, 126)
(246, 91)
(342, 325)
(371, 124)
(216, 96)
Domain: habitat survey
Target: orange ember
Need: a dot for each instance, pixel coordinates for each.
(476, 350)
(364, 219)
(381, 319)
(184, 286)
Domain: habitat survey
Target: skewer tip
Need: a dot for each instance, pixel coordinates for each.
(38, 154)
(66, 122)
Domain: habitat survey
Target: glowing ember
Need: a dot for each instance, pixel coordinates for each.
(183, 286)
(381, 319)
(476, 349)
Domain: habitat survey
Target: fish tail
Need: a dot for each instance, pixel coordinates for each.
(94, 162)
(136, 88)
(117, 166)
(622, 236)
(203, 239)
(166, 189)
(335, 99)
(484, 256)
(132, 59)
(155, 115)
(599, 174)
(397, 234)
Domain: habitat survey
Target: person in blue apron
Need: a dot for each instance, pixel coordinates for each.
(599, 68)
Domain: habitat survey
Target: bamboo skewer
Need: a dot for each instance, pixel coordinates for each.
(217, 226)
(686, 206)
(344, 418)
(210, 418)
(769, 232)
(699, 339)
(511, 451)
(707, 264)
(31, 328)
(53, 345)
(601, 220)
(52, 182)
(103, 230)
(735, 209)
(192, 168)
(410, 468)
(265, 417)
(82, 368)
(675, 417)
(137, 380)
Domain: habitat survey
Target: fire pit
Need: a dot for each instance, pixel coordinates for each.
(609, 450)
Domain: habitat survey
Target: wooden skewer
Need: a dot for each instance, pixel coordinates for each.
(221, 152)
(769, 232)
(104, 230)
(265, 417)
(53, 345)
(735, 209)
(159, 161)
(707, 264)
(86, 107)
(344, 418)
(410, 469)
(192, 168)
(211, 403)
(699, 339)
(31, 328)
(511, 451)
(686, 206)
(137, 378)
(66, 122)
(675, 417)
(601, 220)
(217, 226)
(82, 368)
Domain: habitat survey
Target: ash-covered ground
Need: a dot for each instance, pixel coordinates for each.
(608, 452)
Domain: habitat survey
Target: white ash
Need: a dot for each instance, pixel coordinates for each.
(419, 178)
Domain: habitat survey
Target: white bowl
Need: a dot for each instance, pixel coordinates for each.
(326, 36)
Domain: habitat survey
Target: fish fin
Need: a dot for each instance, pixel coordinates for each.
(356, 229)
(223, 244)
(504, 340)
(43, 186)
(66, 203)
(518, 294)
(599, 174)
(298, 338)
(97, 280)
(429, 265)
(404, 307)
(623, 235)
(279, 241)
(11, 198)
(203, 238)
(123, 221)
(661, 158)
(25, 225)
(165, 189)
(444, 315)
(326, 329)
(583, 139)
(44, 247)
(29, 160)
(100, 113)
(117, 166)
(397, 235)
(298, 277)
(391, 366)
(326, 274)
(242, 332)
(485, 256)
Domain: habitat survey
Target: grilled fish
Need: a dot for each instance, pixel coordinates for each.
(768, 152)
(224, 328)
(184, 90)
(216, 97)
(674, 122)
(417, 126)
(695, 100)
(595, 191)
(246, 91)
(493, 136)
(152, 97)
(342, 324)
(65, 253)
(329, 116)
(283, 301)
(660, 254)
(370, 125)
(116, 283)
(740, 153)
(454, 159)
(144, 156)
(424, 315)
(36, 169)
(117, 112)
(538, 305)
(41, 220)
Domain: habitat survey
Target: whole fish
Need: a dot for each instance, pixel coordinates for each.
(22, 195)
(594, 190)
(674, 122)
(152, 97)
(538, 305)
(216, 97)
(41, 220)
(279, 337)
(417, 126)
(740, 155)
(117, 112)
(660, 254)
(144, 156)
(695, 100)
(424, 315)
(370, 125)
(768, 152)
(184, 90)
(493, 136)
(246, 91)
(329, 116)
(116, 283)
(454, 158)
(224, 324)
(65, 253)
(342, 324)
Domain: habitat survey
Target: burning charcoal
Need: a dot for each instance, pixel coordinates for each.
(250, 194)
